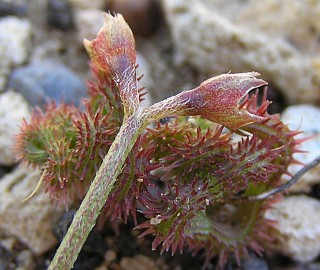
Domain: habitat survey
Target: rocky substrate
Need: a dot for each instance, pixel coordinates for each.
(180, 43)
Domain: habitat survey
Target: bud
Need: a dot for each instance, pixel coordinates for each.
(113, 53)
(218, 99)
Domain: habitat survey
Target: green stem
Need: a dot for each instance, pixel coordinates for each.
(90, 208)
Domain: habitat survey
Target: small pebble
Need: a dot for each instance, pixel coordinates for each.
(25, 260)
(60, 14)
(253, 262)
(45, 80)
(143, 16)
(140, 262)
(109, 256)
(13, 108)
(8, 243)
(15, 37)
(88, 22)
(297, 230)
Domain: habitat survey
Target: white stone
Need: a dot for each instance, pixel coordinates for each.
(15, 37)
(30, 222)
(13, 108)
(297, 230)
(307, 119)
(88, 23)
(206, 38)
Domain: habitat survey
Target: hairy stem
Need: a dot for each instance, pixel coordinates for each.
(90, 208)
(170, 106)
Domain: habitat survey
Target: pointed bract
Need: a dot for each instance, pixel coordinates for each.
(113, 52)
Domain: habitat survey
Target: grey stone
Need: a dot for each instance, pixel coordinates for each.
(44, 80)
